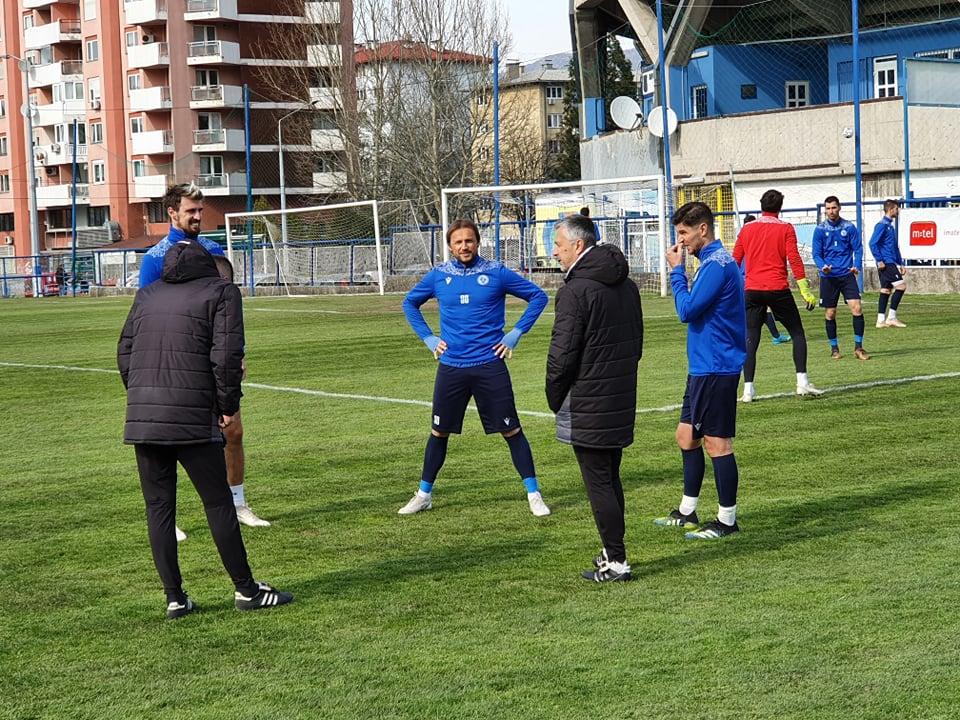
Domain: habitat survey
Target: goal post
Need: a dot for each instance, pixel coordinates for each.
(325, 245)
(518, 221)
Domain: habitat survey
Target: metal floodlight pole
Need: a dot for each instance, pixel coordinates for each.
(857, 161)
(73, 211)
(496, 148)
(664, 102)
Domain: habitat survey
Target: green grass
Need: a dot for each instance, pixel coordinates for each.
(838, 600)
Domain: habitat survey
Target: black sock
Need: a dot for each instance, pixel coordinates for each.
(521, 455)
(895, 300)
(693, 469)
(433, 457)
(882, 305)
(858, 327)
(727, 476)
(832, 331)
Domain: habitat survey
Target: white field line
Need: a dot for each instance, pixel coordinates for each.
(529, 413)
(301, 310)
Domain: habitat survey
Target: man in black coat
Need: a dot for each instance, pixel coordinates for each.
(592, 376)
(180, 356)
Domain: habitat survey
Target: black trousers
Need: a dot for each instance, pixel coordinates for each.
(784, 309)
(601, 476)
(208, 472)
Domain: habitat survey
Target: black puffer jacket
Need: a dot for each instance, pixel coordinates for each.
(596, 345)
(180, 352)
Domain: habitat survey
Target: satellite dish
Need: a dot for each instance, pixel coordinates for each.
(655, 121)
(626, 113)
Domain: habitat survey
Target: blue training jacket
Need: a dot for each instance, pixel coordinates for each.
(152, 266)
(715, 313)
(837, 245)
(883, 245)
(472, 301)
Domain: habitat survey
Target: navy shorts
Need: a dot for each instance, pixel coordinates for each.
(710, 405)
(889, 276)
(832, 287)
(489, 385)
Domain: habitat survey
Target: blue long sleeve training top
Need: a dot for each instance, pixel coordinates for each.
(152, 266)
(472, 300)
(714, 309)
(837, 245)
(883, 244)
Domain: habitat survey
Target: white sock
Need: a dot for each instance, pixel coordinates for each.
(748, 388)
(802, 379)
(237, 491)
(688, 504)
(727, 515)
(892, 315)
(421, 493)
(881, 318)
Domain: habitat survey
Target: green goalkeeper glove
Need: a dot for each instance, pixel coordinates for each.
(805, 293)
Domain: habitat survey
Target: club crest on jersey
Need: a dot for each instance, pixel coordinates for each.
(483, 279)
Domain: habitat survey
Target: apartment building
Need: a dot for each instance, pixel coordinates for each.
(157, 89)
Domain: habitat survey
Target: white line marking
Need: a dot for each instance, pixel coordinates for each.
(300, 310)
(529, 413)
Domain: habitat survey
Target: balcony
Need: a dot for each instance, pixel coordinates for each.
(329, 182)
(54, 195)
(51, 33)
(150, 186)
(322, 13)
(153, 142)
(59, 113)
(59, 154)
(324, 98)
(154, 98)
(53, 73)
(34, 4)
(215, 52)
(326, 140)
(222, 140)
(324, 55)
(155, 54)
(145, 12)
(215, 96)
(210, 10)
(223, 184)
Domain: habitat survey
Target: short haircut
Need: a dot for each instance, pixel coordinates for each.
(694, 214)
(749, 219)
(578, 227)
(888, 205)
(175, 193)
(772, 201)
(585, 211)
(831, 199)
(224, 267)
(460, 225)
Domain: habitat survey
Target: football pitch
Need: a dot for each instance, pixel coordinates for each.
(837, 600)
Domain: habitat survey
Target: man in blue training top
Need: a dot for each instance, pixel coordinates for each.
(184, 206)
(837, 251)
(471, 292)
(714, 310)
(886, 251)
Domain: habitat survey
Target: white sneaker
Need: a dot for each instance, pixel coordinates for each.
(181, 535)
(748, 395)
(893, 322)
(881, 324)
(537, 506)
(248, 517)
(808, 389)
(418, 502)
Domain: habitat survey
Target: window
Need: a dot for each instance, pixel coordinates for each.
(156, 212)
(554, 120)
(59, 133)
(7, 222)
(96, 133)
(647, 83)
(698, 101)
(136, 124)
(208, 121)
(748, 92)
(554, 92)
(882, 185)
(89, 9)
(3, 144)
(204, 33)
(56, 218)
(132, 38)
(93, 89)
(208, 77)
(483, 154)
(133, 81)
(93, 50)
(99, 172)
(553, 146)
(951, 54)
(4, 183)
(482, 98)
(3, 108)
(28, 21)
(797, 93)
(211, 165)
(139, 168)
(884, 77)
(97, 216)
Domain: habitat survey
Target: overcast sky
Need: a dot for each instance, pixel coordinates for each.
(539, 27)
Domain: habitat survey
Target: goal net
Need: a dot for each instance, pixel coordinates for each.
(517, 222)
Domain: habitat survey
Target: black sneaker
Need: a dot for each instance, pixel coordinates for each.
(265, 597)
(678, 519)
(607, 571)
(713, 530)
(179, 608)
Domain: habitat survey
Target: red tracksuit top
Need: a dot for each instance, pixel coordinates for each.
(767, 244)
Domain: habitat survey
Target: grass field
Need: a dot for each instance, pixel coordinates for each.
(838, 600)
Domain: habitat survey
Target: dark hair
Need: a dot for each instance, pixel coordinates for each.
(888, 205)
(749, 219)
(460, 225)
(585, 211)
(694, 214)
(578, 227)
(177, 192)
(224, 267)
(831, 199)
(772, 201)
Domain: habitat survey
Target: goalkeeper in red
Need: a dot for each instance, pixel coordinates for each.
(763, 249)
(471, 346)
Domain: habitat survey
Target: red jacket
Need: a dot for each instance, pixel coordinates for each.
(767, 244)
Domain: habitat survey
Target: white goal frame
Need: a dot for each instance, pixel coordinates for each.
(238, 218)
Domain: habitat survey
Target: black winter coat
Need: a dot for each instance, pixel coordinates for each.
(596, 344)
(180, 352)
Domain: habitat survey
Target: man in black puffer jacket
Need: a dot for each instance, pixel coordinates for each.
(180, 358)
(592, 376)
